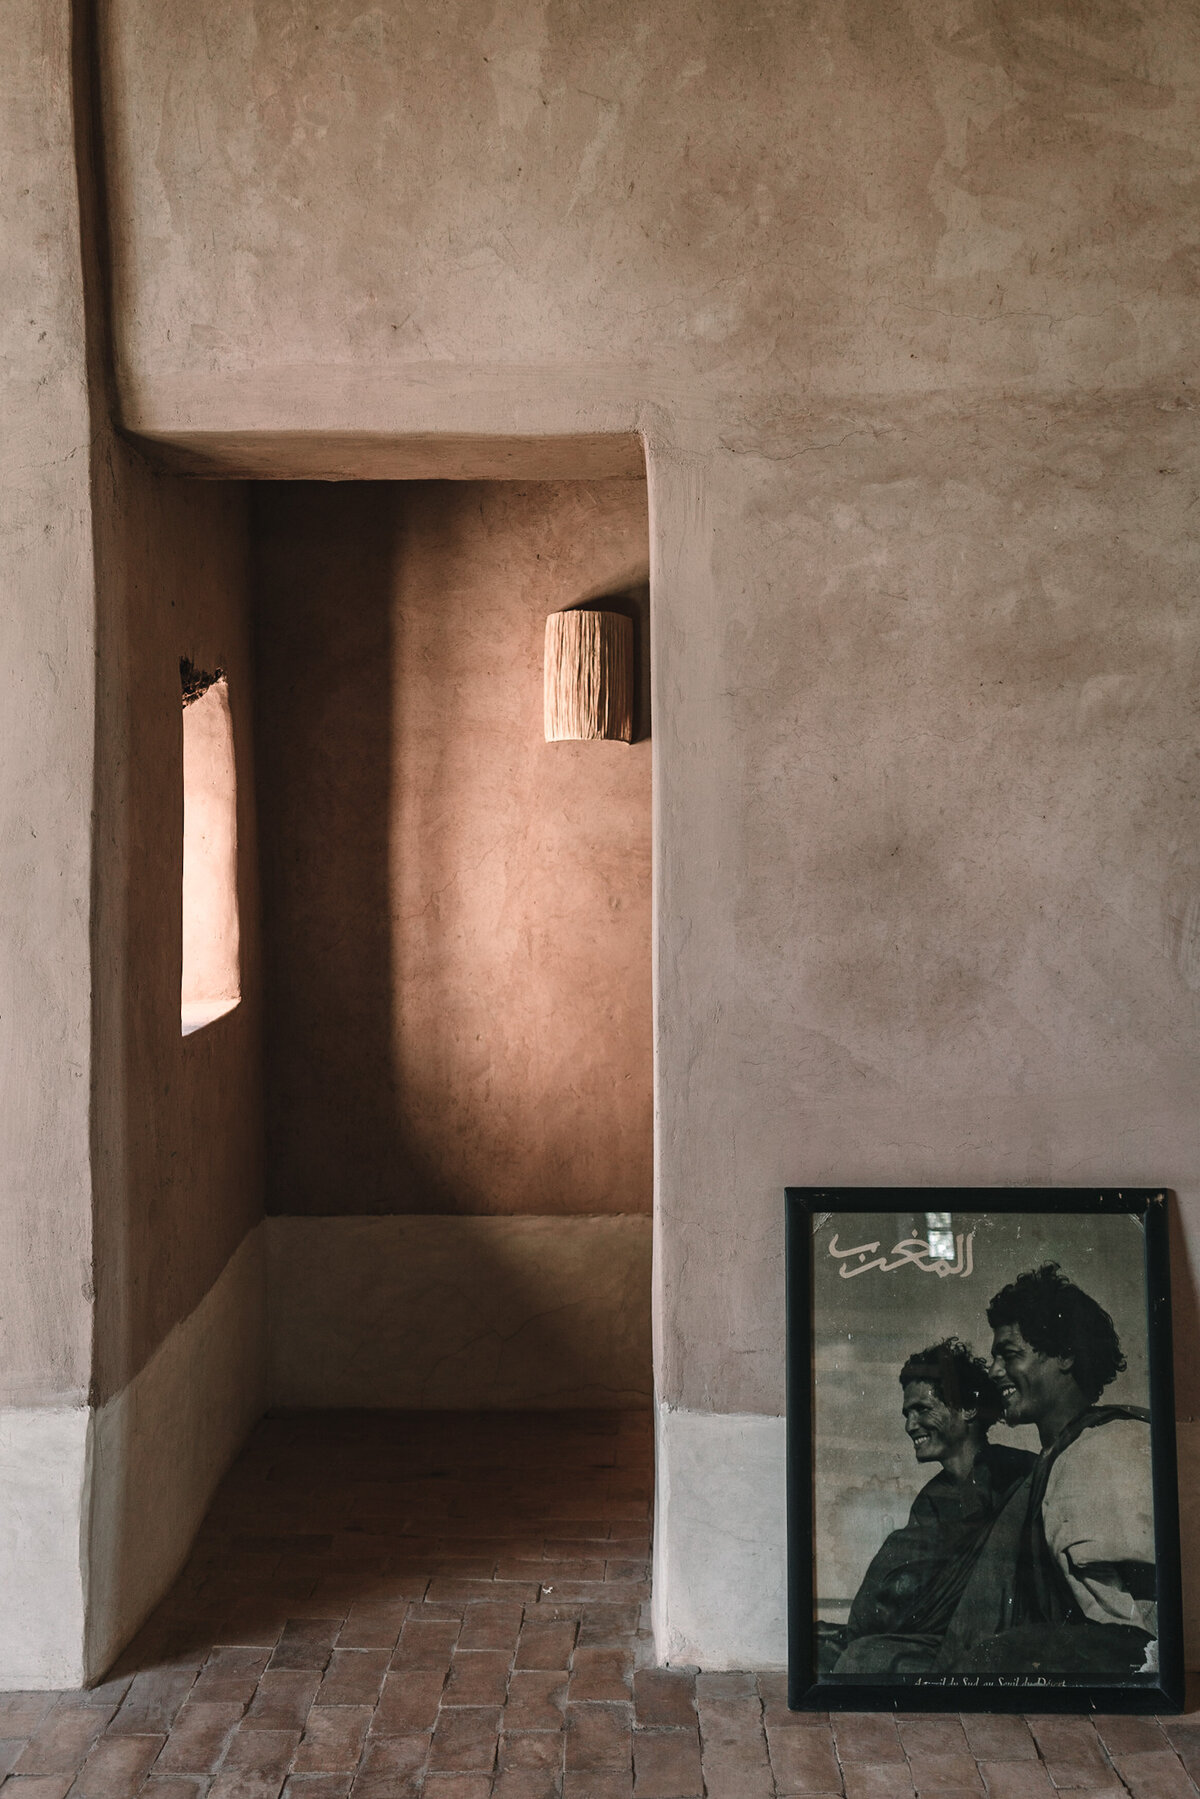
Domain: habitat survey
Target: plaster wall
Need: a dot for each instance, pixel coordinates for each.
(178, 1119)
(477, 1314)
(903, 301)
(844, 197)
(89, 1131)
(47, 646)
(935, 842)
(178, 1354)
(457, 913)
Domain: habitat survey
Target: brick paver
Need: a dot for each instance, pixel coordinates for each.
(870, 1737)
(932, 1736)
(453, 1607)
(998, 1737)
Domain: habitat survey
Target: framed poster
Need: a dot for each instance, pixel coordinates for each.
(982, 1502)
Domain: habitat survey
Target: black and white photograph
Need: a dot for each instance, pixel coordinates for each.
(980, 1462)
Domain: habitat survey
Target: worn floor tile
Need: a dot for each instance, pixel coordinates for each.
(152, 1703)
(545, 1646)
(601, 1674)
(282, 1699)
(998, 1737)
(39, 1786)
(599, 1736)
(477, 1677)
(116, 1767)
(264, 1754)
(877, 1780)
(594, 1785)
(525, 1783)
(866, 1737)
(666, 1765)
(198, 1737)
(1157, 1774)
(457, 1786)
(317, 1786)
(804, 1760)
(1016, 1780)
(937, 1774)
(174, 1786)
(664, 1696)
(531, 1749)
(62, 1739)
(333, 1739)
(932, 1736)
(1130, 1735)
(408, 1701)
(353, 1677)
(465, 1738)
(21, 1713)
(536, 1700)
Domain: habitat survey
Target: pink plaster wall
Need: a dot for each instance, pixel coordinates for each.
(457, 914)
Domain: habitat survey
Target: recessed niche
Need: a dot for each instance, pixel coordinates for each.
(211, 972)
(456, 912)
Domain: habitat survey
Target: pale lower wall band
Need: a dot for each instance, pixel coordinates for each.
(99, 1508)
(720, 1549)
(461, 1313)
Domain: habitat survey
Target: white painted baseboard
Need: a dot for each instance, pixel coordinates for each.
(43, 1497)
(720, 1540)
(461, 1313)
(720, 1551)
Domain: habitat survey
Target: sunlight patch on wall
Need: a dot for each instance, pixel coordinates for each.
(211, 978)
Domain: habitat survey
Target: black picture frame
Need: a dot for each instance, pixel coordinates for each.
(819, 1331)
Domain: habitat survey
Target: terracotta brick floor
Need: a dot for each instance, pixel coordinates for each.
(387, 1606)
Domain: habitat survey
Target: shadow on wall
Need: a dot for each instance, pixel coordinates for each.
(324, 791)
(632, 603)
(494, 1314)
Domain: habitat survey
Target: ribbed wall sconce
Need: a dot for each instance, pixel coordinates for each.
(589, 676)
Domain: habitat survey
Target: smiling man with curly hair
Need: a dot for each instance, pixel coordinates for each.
(1067, 1583)
(917, 1576)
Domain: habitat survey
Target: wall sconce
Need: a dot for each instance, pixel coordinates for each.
(589, 676)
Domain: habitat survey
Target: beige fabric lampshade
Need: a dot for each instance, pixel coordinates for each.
(589, 676)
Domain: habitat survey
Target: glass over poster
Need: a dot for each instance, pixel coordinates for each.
(982, 1500)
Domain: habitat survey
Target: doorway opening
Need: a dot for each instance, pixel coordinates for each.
(410, 1173)
(456, 926)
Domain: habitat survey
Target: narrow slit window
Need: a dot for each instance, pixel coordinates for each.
(211, 983)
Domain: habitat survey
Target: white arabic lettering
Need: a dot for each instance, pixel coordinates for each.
(914, 1250)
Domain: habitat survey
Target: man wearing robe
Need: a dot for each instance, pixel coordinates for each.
(1066, 1581)
(917, 1577)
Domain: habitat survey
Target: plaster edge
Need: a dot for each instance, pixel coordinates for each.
(281, 420)
(341, 454)
(159, 1447)
(460, 1313)
(720, 1539)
